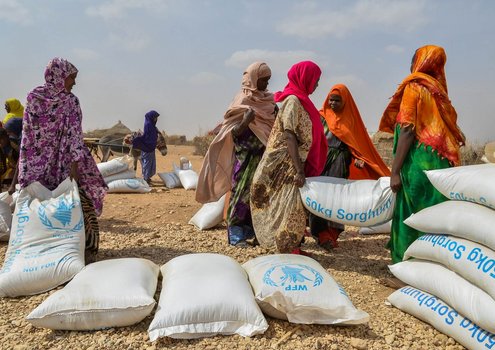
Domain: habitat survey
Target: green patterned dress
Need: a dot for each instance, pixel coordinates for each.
(415, 194)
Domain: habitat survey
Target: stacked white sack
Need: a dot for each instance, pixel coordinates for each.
(115, 166)
(129, 186)
(472, 183)
(455, 260)
(360, 203)
(121, 177)
(443, 317)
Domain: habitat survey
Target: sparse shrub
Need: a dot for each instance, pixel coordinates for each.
(471, 153)
(201, 143)
(178, 140)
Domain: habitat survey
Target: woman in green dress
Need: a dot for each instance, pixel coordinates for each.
(426, 137)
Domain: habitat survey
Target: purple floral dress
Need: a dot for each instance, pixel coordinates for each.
(52, 137)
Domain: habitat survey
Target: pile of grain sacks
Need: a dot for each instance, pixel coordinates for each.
(450, 271)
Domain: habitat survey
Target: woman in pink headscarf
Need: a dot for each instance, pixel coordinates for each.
(235, 152)
(296, 148)
(52, 146)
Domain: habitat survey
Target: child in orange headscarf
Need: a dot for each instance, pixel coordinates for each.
(351, 154)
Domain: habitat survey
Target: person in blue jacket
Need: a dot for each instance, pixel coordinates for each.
(147, 144)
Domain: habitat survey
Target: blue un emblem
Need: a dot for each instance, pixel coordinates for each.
(58, 215)
(293, 277)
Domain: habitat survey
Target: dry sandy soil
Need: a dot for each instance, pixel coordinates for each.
(155, 226)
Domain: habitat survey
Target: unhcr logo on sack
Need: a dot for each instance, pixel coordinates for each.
(293, 277)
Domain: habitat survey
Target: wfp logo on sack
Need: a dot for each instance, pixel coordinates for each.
(61, 215)
(132, 184)
(292, 277)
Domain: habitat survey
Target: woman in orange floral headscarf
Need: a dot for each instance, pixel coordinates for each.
(351, 154)
(426, 137)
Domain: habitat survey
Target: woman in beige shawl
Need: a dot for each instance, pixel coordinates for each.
(234, 154)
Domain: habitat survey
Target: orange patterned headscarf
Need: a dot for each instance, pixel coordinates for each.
(422, 101)
(348, 126)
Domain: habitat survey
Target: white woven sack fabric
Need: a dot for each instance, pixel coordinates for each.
(472, 261)
(467, 220)
(188, 178)
(209, 215)
(438, 280)
(204, 295)
(349, 202)
(473, 183)
(115, 166)
(126, 174)
(298, 289)
(46, 245)
(108, 293)
(5, 215)
(442, 317)
(171, 180)
(128, 186)
(377, 229)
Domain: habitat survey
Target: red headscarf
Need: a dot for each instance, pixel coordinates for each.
(348, 126)
(303, 77)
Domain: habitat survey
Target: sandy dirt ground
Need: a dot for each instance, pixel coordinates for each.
(155, 226)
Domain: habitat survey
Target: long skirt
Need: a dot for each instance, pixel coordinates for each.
(248, 150)
(337, 165)
(415, 194)
(148, 165)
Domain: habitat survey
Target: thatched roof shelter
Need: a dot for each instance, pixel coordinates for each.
(117, 129)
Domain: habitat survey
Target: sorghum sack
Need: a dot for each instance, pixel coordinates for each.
(438, 280)
(105, 294)
(473, 261)
(204, 295)
(46, 245)
(462, 219)
(473, 183)
(443, 317)
(349, 202)
(298, 289)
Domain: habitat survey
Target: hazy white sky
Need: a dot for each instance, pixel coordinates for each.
(185, 58)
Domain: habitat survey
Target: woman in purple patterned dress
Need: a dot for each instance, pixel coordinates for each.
(52, 146)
